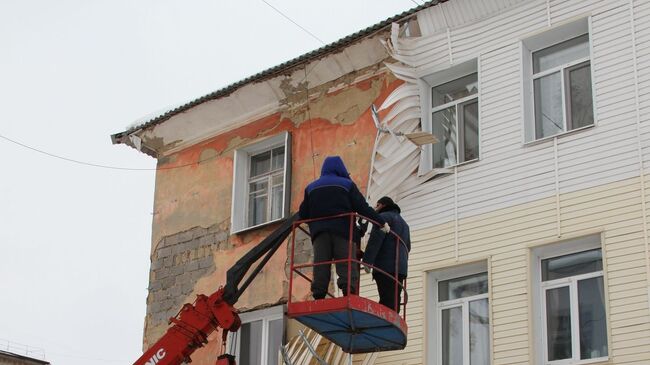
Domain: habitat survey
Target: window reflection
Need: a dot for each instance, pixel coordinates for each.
(463, 287)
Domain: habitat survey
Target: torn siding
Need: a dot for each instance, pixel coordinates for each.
(395, 159)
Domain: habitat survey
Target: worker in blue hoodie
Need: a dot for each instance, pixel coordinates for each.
(331, 194)
(384, 251)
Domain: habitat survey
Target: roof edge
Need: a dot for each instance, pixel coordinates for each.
(274, 71)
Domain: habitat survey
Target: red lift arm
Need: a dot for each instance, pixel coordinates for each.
(193, 324)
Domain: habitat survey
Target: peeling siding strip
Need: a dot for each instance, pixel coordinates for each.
(402, 91)
(394, 160)
(372, 165)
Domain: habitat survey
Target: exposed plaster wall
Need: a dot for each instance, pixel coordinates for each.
(191, 245)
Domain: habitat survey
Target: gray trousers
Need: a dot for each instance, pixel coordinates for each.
(329, 247)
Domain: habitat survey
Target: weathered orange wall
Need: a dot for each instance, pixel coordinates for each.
(197, 198)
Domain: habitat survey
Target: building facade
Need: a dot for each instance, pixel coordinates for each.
(529, 222)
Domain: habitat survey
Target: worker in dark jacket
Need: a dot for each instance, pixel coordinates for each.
(382, 250)
(331, 194)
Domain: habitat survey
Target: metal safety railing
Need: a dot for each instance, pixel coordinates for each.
(353, 263)
(22, 349)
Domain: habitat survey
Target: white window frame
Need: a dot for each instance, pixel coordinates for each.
(265, 315)
(539, 298)
(240, 186)
(431, 80)
(434, 309)
(548, 38)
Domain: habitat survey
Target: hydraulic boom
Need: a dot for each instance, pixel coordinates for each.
(193, 324)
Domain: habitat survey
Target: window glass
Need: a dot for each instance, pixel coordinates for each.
(444, 128)
(266, 186)
(455, 120)
(278, 158)
(549, 113)
(463, 328)
(260, 183)
(593, 327)
(257, 202)
(470, 131)
(277, 180)
(561, 53)
(276, 196)
(574, 312)
(462, 287)
(558, 320)
(561, 88)
(582, 108)
(479, 332)
(573, 264)
(276, 334)
(260, 164)
(452, 336)
(454, 90)
(250, 344)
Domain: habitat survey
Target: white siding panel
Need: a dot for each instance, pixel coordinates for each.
(458, 12)
(642, 34)
(430, 58)
(500, 31)
(583, 165)
(494, 190)
(434, 208)
(535, 161)
(566, 10)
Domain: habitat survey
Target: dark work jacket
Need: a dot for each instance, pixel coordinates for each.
(381, 247)
(331, 194)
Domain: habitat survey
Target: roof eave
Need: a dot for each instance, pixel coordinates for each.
(122, 137)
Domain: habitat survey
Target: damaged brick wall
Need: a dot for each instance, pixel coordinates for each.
(178, 263)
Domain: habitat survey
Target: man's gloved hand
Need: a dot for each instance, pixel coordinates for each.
(366, 269)
(385, 228)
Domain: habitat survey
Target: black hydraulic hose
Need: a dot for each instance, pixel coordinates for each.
(267, 247)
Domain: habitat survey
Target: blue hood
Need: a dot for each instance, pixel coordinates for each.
(333, 165)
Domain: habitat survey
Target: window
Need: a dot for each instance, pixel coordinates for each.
(259, 339)
(460, 318)
(559, 80)
(572, 304)
(452, 104)
(265, 186)
(261, 183)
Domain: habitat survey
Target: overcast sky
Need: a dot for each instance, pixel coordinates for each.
(75, 239)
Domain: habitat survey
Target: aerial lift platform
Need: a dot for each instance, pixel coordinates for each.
(355, 323)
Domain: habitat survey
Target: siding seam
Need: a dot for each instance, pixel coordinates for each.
(451, 57)
(456, 213)
(640, 148)
(557, 188)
